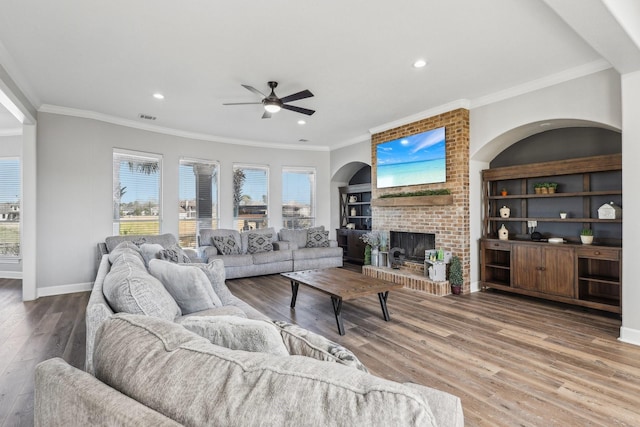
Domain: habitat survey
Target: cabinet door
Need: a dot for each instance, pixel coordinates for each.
(356, 247)
(527, 267)
(558, 277)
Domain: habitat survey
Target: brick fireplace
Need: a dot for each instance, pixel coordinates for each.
(449, 222)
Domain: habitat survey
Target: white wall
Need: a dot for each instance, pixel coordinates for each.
(11, 146)
(75, 186)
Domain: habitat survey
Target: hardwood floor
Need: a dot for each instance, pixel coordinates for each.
(31, 332)
(512, 360)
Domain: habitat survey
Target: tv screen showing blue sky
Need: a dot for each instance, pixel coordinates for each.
(412, 160)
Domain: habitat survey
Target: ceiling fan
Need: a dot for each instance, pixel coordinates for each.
(273, 104)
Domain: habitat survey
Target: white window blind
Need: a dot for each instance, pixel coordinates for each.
(198, 199)
(298, 197)
(136, 193)
(10, 207)
(250, 197)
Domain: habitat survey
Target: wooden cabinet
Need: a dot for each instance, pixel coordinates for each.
(544, 268)
(353, 247)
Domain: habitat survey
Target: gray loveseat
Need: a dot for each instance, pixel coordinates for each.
(153, 372)
(287, 250)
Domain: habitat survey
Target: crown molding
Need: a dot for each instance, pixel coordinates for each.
(445, 108)
(86, 114)
(352, 141)
(544, 82)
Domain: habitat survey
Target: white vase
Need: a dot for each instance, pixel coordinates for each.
(586, 240)
(374, 256)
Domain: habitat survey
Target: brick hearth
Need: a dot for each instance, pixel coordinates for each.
(409, 277)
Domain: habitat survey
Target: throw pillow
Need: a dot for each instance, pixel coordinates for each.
(317, 239)
(149, 251)
(124, 247)
(188, 286)
(238, 333)
(174, 254)
(259, 243)
(214, 270)
(302, 342)
(226, 245)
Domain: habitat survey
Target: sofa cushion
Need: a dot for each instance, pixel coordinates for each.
(234, 260)
(129, 288)
(206, 235)
(149, 251)
(188, 286)
(297, 236)
(184, 376)
(270, 257)
(259, 242)
(125, 247)
(314, 253)
(317, 239)
(166, 240)
(238, 333)
(244, 237)
(174, 254)
(302, 342)
(226, 245)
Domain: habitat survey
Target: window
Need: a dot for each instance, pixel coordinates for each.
(298, 197)
(250, 197)
(136, 193)
(9, 207)
(198, 199)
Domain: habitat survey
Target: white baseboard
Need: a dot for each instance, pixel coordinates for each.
(630, 336)
(10, 274)
(475, 287)
(64, 289)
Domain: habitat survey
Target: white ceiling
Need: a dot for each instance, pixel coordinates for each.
(109, 57)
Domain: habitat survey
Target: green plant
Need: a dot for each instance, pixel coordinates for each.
(553, 185)
(538, 185)
(455, 272)
(586, 232)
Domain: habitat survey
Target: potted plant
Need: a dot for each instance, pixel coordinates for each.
(503, 192)
(552, 187)
(537, 187)
(586, 236)
(544, 188)
(455, 275)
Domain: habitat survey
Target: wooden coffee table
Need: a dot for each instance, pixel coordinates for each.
(341, 285)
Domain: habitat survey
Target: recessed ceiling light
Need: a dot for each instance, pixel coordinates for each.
(301, 122)
(420, 63)
(158, 96)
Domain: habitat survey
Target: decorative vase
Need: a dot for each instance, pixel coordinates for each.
(353, 199)
(503, 233)
(353, 211)
(505, 212)
(374, 256)
(586, 240)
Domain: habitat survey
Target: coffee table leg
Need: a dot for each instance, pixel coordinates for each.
(337, 309)
(383, 303)
(294, 293)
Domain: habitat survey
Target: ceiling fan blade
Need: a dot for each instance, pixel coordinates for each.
(254, 90)
(242, 103)
(266, 115)
(300, 95)
(298, 109)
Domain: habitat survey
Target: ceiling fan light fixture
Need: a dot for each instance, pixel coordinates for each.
(272, 106)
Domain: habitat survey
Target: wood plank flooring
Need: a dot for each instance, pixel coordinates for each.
(31, 332)
(513, 361)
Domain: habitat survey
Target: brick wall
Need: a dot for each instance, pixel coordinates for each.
(450, 224)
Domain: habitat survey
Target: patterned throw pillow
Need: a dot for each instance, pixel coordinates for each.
(226, 245)
(317, 239)
(174, 254)
(259, 243)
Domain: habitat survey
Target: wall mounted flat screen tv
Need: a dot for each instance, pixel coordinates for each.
(412, 160)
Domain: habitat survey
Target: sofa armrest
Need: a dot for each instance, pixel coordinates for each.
(98, 310)
(333, 243)
(66, 396)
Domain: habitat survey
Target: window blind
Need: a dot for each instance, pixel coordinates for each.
(250, 197)
(298, 197)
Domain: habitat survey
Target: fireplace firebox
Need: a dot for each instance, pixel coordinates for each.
(414, 244)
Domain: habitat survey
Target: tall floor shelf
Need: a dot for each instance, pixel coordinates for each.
(585, 275)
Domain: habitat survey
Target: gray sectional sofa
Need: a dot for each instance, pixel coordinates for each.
(286, 250)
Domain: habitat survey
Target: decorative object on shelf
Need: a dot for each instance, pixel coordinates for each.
(438, 272)
(586, 236)
(555, 240)
(563, 215)
(537, 188)
(503, 192)
(503, 233)
(551, 187)
(351, 226)
(455, 275)
(372, 239)
(609, 211)
(374, 256)
(505, 212)
(353, 211)
(396, 257)
(353, 198)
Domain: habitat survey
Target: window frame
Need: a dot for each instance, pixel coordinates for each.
(216, 165)
(143, 155)
(4, 258)
(266, 169)
(312, 197)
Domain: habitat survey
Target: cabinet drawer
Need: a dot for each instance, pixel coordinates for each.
(500, 246)
(599, 253)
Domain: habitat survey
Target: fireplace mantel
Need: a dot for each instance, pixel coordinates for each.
(440, 200)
